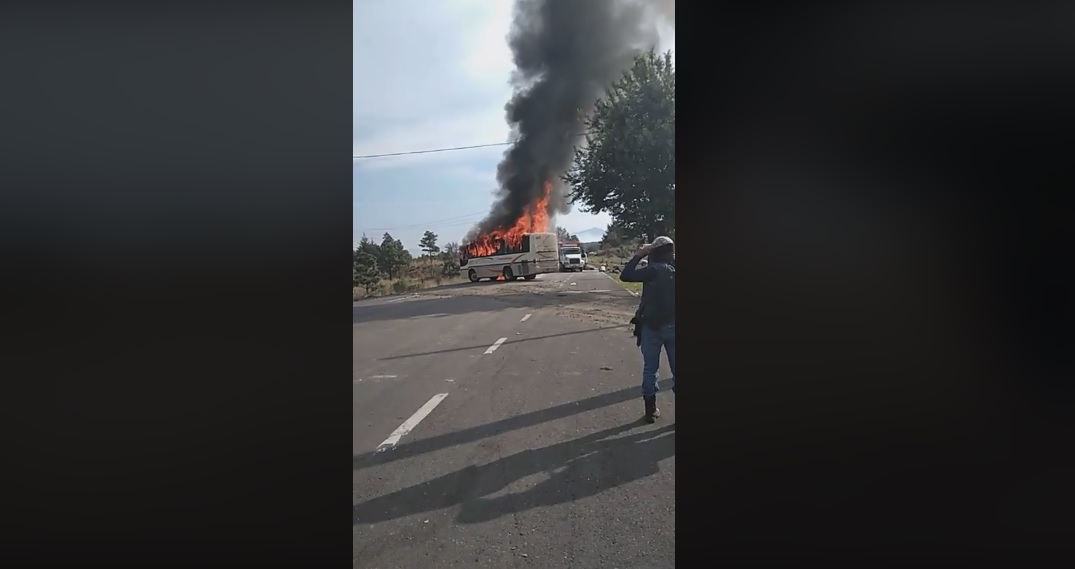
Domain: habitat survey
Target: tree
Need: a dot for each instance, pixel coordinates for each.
(392, 256)
(365, 273)
(563, 235)
(612, 238)
(365, 245)
(450, 267)
(450, 251)
(428, 245)
(628, 165)
(405, 259)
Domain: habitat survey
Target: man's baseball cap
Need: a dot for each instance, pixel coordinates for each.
(661, 242)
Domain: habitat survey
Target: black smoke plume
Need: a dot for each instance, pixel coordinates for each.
(566, 53)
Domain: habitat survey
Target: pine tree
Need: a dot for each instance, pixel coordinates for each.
(365, 272)
(428, 244)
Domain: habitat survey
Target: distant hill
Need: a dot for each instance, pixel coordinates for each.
(591, 247)
(591, 235)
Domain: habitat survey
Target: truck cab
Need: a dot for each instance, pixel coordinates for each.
(572, 257)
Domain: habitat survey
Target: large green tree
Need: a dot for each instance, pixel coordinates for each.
(627, 167)
(612, 237)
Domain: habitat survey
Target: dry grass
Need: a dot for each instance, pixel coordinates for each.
(420, 275)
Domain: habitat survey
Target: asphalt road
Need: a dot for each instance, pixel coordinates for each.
(529, 452)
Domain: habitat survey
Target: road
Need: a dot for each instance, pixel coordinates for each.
(508, 419)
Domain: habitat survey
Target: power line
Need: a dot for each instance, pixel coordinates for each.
(432, 150)
(363, 156)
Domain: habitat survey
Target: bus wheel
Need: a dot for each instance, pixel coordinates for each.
(508, 275)
(473, 276)
(530, 277)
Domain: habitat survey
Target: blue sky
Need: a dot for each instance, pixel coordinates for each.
(431, 74)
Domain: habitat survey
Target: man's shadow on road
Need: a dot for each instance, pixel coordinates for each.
(576, 469)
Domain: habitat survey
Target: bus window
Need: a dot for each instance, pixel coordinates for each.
(503, 247)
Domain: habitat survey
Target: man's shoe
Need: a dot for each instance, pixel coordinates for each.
(652, 412)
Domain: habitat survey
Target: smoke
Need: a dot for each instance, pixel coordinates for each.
(666, 8)
(566, 53)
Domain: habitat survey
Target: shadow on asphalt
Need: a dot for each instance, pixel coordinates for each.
(468, 284)
(486, 345)
(478, 433)
(403, 308)
(406, 308)
(614, 297)
(576, 469)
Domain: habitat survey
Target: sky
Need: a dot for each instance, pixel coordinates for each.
(432, 74)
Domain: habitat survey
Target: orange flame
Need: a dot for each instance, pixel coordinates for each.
(534, 220)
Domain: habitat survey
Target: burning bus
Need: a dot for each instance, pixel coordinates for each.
(522, 248)
(524, 257)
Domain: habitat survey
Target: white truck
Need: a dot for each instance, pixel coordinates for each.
(572, 257)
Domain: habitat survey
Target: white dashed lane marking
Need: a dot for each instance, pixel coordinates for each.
(373, 378)
(495, 345)
(409, 425)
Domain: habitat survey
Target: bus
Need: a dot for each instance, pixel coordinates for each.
(537, 253)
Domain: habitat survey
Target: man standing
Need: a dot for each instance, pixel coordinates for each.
(655, 320)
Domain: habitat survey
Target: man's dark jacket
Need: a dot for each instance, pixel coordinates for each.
(658, 305)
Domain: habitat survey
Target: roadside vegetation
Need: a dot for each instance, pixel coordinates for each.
(386, 268)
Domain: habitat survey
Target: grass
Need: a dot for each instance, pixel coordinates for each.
(633, 287)
(613, 260)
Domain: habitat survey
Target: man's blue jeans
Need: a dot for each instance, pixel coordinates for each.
(652, 342)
